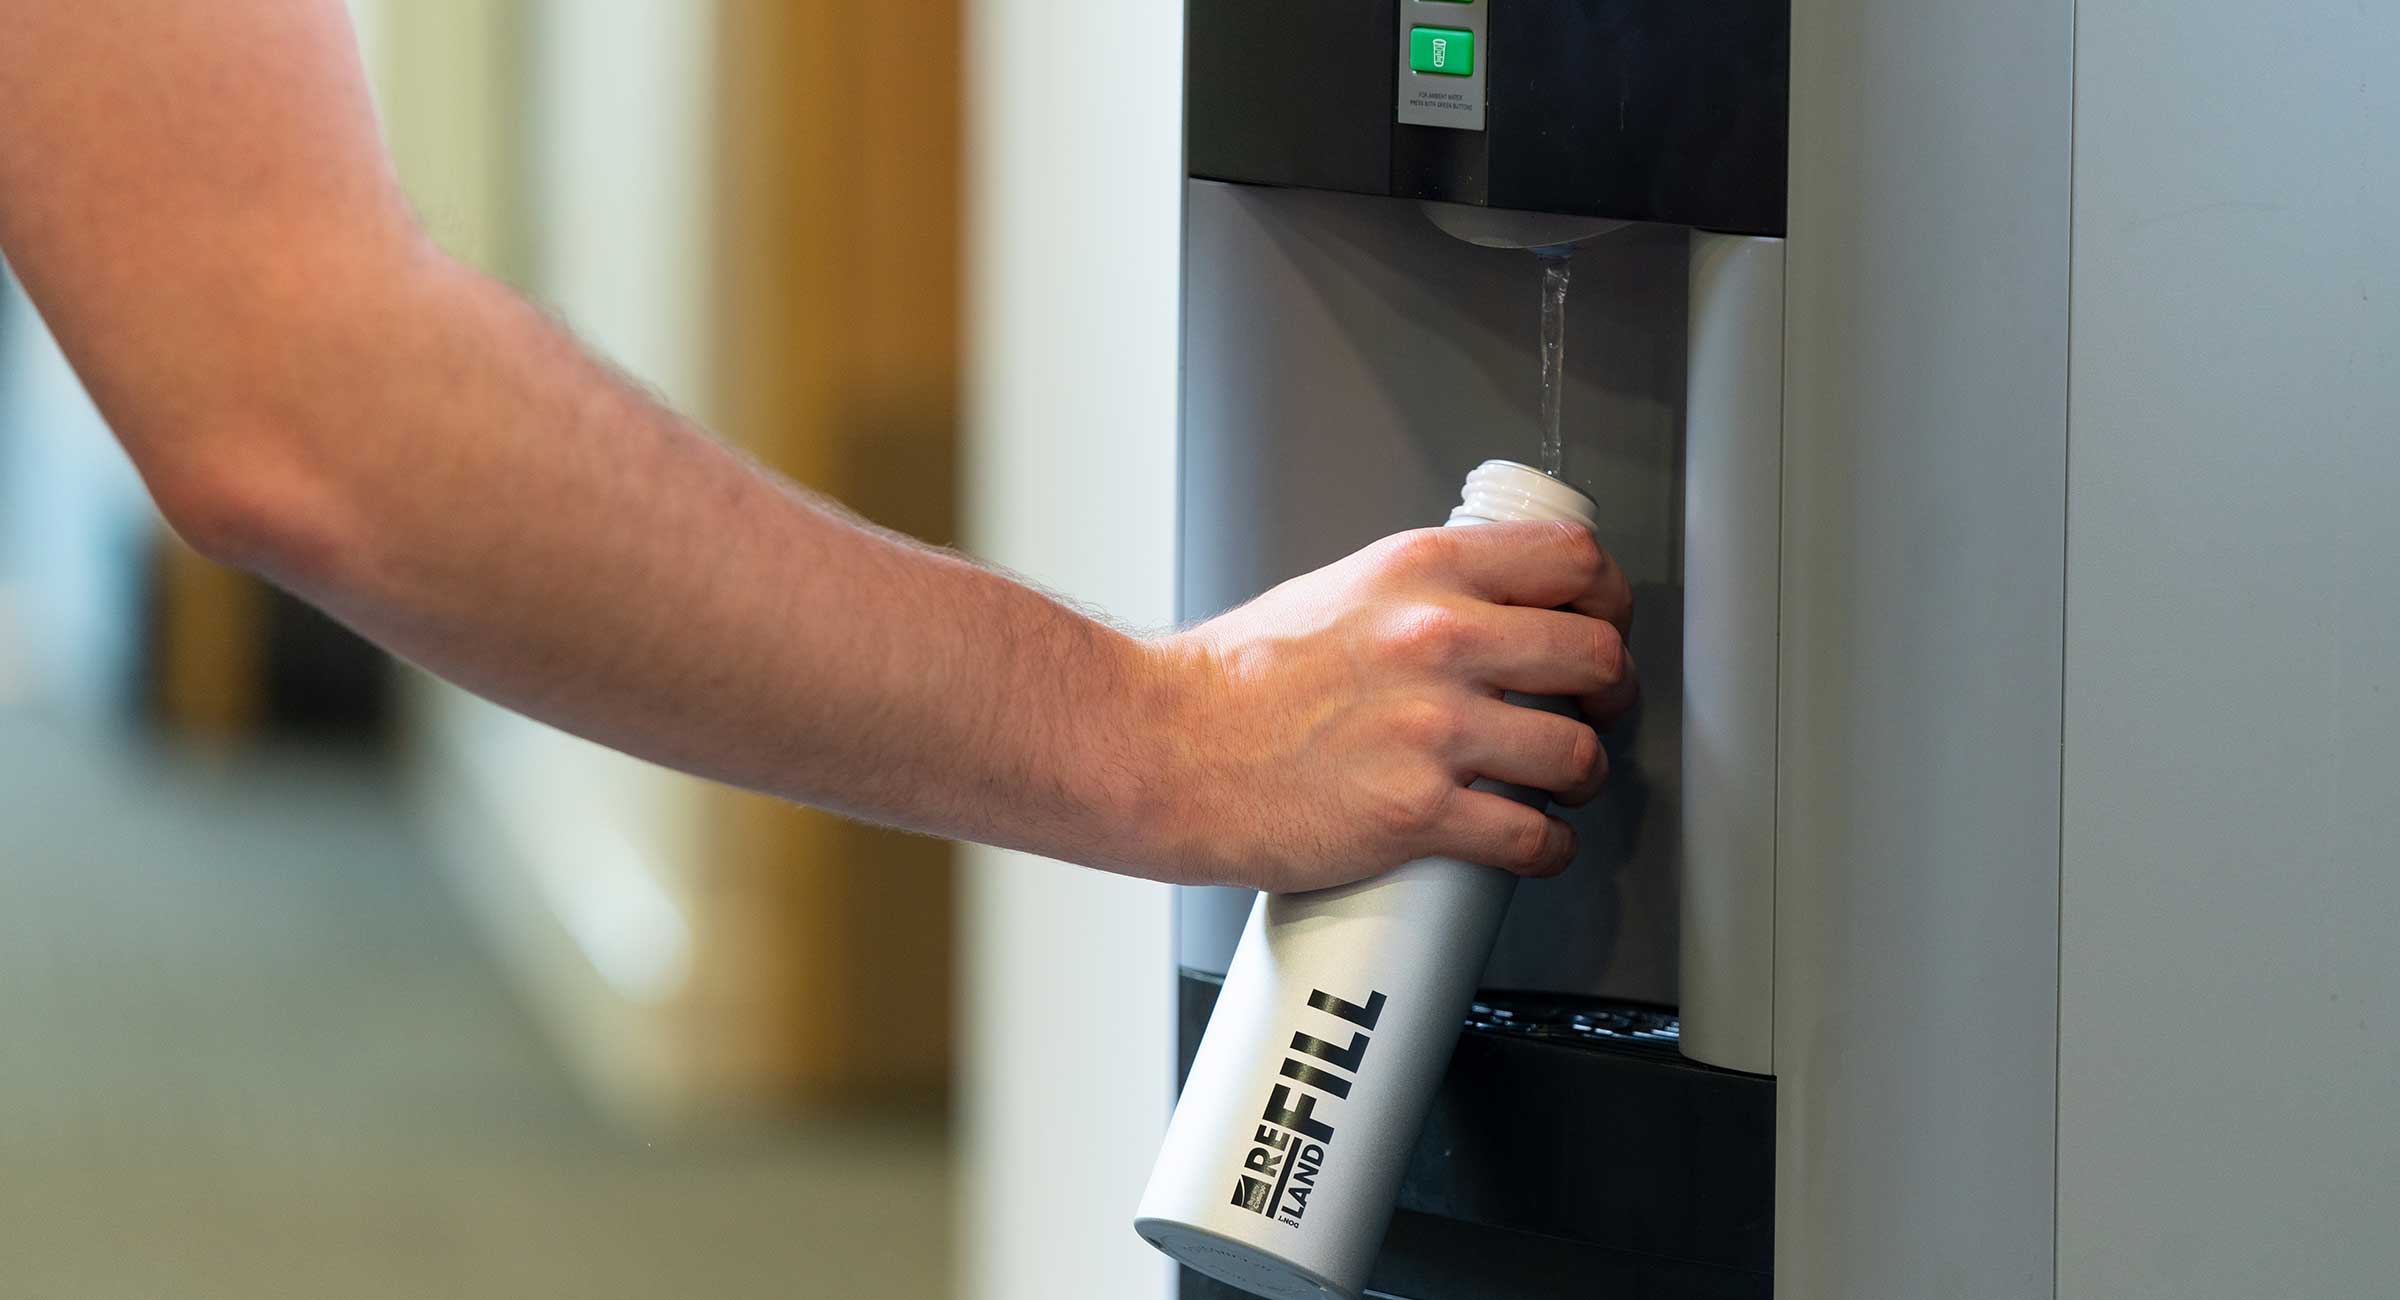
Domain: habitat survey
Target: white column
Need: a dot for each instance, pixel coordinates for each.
(1075, 202)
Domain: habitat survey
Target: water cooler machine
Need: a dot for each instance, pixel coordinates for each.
(1359, 323)
(1896, 958)
(1360, 315)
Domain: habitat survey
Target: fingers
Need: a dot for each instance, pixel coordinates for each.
(1544, 652)
(1527, 747)
(1603, 708)
(1548, 652)
(1542, 565)
(1497, 831)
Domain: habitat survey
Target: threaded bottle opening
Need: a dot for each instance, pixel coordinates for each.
(1503, 491)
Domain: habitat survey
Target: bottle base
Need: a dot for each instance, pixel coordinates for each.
(1237, 1263)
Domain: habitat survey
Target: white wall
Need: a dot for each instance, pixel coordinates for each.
(619, 111)
(619, 104)
(622, 115)
(2229, 1072)
(1075, 111)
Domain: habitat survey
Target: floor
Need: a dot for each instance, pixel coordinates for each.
(250, 1050)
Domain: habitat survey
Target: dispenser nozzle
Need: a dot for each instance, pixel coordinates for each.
(1548, 232)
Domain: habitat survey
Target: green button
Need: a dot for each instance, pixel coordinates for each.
(1445, 50)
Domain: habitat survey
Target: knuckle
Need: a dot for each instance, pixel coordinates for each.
(1430, 636)
(1579, 550)
(1608, 651)
(1432, 804)
(1527, 840)
(1421, 550)
(1431, 724)
(1413, 808)
(1584, 755)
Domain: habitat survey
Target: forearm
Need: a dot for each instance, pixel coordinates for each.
(194, 193)
(483, 498)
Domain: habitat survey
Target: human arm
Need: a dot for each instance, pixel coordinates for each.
(194, 194)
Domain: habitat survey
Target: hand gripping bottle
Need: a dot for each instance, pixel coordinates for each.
(1337, 1018)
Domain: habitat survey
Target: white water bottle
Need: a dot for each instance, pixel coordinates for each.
(1336, 1021)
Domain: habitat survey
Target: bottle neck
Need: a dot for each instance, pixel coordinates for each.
(1503, 491)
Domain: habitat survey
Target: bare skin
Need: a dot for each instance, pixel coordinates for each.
(195, 195)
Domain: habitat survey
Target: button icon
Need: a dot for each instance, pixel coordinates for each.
(1444, 51)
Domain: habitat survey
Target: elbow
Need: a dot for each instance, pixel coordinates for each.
(249, 504)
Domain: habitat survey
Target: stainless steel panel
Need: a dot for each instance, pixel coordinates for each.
(1924, 513)
(1733, 520)
(2229, 1072)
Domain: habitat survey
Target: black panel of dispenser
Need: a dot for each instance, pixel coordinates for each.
(1571, 1152)
(1642, 110)
(1286, 110)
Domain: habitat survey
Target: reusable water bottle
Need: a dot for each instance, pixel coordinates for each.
(1337, 1018)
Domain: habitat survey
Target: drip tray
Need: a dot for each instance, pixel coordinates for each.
(1572, 1150)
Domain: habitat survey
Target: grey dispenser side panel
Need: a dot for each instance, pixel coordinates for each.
(1924, 520)
(1732, 529)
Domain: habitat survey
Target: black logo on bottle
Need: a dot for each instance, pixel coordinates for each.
(1288, 1152)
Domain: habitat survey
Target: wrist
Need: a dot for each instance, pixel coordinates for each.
(1173, 698)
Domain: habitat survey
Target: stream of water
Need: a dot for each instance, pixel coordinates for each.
(1555, 272)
